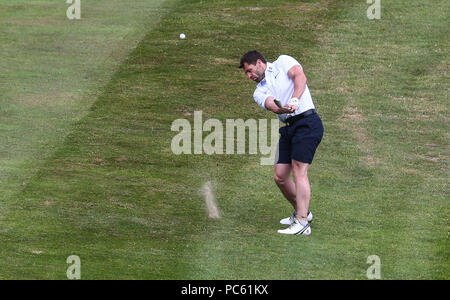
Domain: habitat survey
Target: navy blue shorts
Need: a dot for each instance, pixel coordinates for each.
(300, 140)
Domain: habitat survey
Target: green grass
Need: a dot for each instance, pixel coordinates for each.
(108, 188)
(53, 69)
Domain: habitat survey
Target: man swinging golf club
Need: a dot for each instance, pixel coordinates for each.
(282, 89)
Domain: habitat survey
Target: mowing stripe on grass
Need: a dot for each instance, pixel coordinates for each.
(53, 69)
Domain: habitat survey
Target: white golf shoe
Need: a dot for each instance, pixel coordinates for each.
(291, 219)
(297, 229)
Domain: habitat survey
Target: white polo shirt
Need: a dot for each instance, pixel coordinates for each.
(278, 85)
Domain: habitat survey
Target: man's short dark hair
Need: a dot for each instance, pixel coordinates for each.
(251, 57)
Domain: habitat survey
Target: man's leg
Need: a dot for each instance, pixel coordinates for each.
(283, 179)
(302, 188)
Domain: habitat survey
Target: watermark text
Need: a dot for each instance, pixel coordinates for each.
(374, 10)
(74, 270)
(230, 138)
(374, 271)
(74, 10)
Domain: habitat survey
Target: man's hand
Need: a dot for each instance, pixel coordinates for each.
(284, 110)
(290, 108)
(293, 104)
(272, 106)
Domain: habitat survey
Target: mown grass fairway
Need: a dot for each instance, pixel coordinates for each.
(87, 169)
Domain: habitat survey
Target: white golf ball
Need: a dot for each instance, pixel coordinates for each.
(182, 36)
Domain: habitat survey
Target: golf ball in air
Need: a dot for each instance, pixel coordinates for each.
(182, 36)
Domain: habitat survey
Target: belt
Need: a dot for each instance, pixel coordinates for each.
(293, 119)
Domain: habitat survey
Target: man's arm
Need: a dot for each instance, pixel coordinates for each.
(296, 74)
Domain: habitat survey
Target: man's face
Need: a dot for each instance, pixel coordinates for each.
(255, 72)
